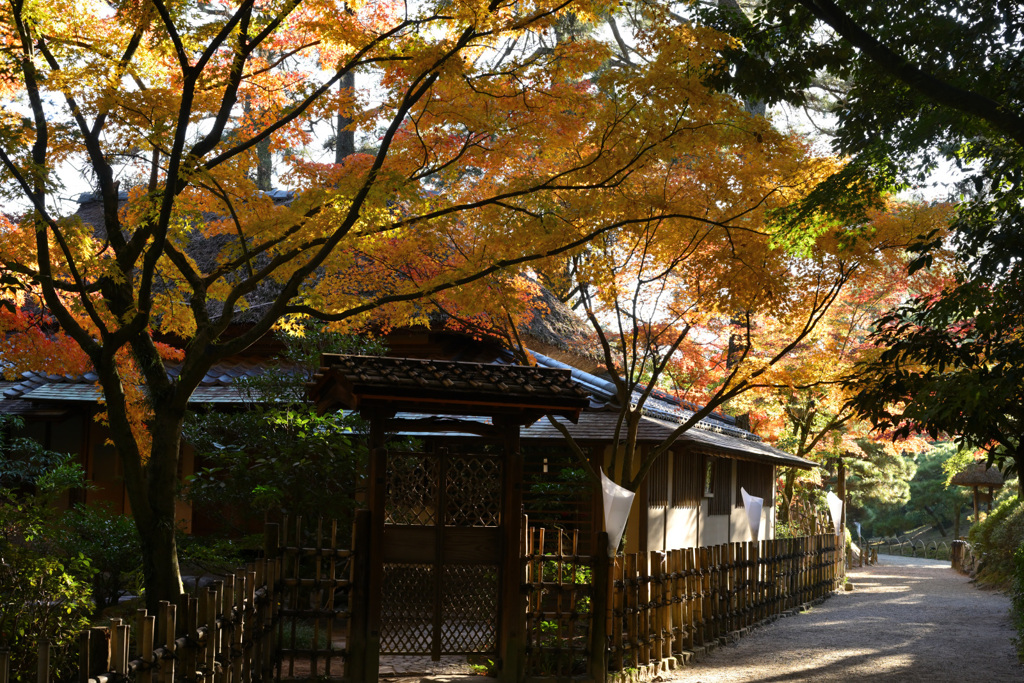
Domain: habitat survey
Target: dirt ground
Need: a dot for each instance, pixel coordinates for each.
(907, 619)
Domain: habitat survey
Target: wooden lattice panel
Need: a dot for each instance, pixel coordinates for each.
(469, 609)
(473, 491)
(411, 489)
(407, 608)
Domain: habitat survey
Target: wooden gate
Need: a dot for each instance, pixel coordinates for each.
(441, 552)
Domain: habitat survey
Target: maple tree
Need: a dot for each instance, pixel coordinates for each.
(763, 304)
(804, 406)
(498, 145)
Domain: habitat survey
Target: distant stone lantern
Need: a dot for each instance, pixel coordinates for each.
(980, 475)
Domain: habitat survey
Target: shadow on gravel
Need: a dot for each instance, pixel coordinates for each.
(909, 622)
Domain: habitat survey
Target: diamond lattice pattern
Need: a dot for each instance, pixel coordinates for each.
(412, 489)
(407, 609)
(473, 490)
(469, 609)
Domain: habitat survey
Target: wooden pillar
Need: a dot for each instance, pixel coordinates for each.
(375, 581)
(512, 610)
(596, 501)
(359, 575)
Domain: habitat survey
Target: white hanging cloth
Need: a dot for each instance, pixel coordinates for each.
(835, 507)
(617, 501)
(753, 505)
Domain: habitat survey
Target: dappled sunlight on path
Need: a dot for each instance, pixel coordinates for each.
(907, 620)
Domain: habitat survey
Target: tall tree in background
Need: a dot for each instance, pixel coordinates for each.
(803, 405)
(714, 312)
(921, 93)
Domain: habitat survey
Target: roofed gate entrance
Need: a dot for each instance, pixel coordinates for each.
(444, 557)
(442, 552)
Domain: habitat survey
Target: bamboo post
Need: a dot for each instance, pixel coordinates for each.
(5, 665)
(238, 618)
(690, 614)
(212, 632)
(716, 592)
(123, 638)
(704, 574)
(629, 574)
(43, 661)
(745, 583)
(659, 570)
(271, 567)
(168, 631)
(249, 622)
(618, 611)
(644, 611)
(191, 631)
(678, 595)
(147, 628)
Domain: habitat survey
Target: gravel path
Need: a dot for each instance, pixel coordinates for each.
(907, 619)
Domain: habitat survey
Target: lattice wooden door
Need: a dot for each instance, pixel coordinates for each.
(442, 548)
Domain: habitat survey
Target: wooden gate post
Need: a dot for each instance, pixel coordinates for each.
(359, 576)
(601, 582)
(512, 602)
(375, 579)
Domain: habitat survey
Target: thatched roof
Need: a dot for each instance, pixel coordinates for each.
(206, 251)
(979, 474)
(558, 331)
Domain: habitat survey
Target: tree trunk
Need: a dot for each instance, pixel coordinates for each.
(264, 166)
(787, 496)
(153, 509)
(938, 520)
(345, 142)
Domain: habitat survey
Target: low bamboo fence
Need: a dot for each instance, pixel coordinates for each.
(661, 607)
(283, 617)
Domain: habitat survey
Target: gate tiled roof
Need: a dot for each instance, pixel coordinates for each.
(445, 386)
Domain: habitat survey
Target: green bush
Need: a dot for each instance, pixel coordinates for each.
(111, 542)
(996, 539)
(43, 594)
(1017, 597)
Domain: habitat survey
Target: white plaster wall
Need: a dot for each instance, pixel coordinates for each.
(681, 528)
(714, 528)
(656, 522)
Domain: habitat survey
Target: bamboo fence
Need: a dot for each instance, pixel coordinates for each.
(661, 606)
(285, 616)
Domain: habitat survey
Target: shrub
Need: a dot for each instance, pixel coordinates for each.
(997, 538)
(111, 542)
(42, 593)
(1017, 597)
